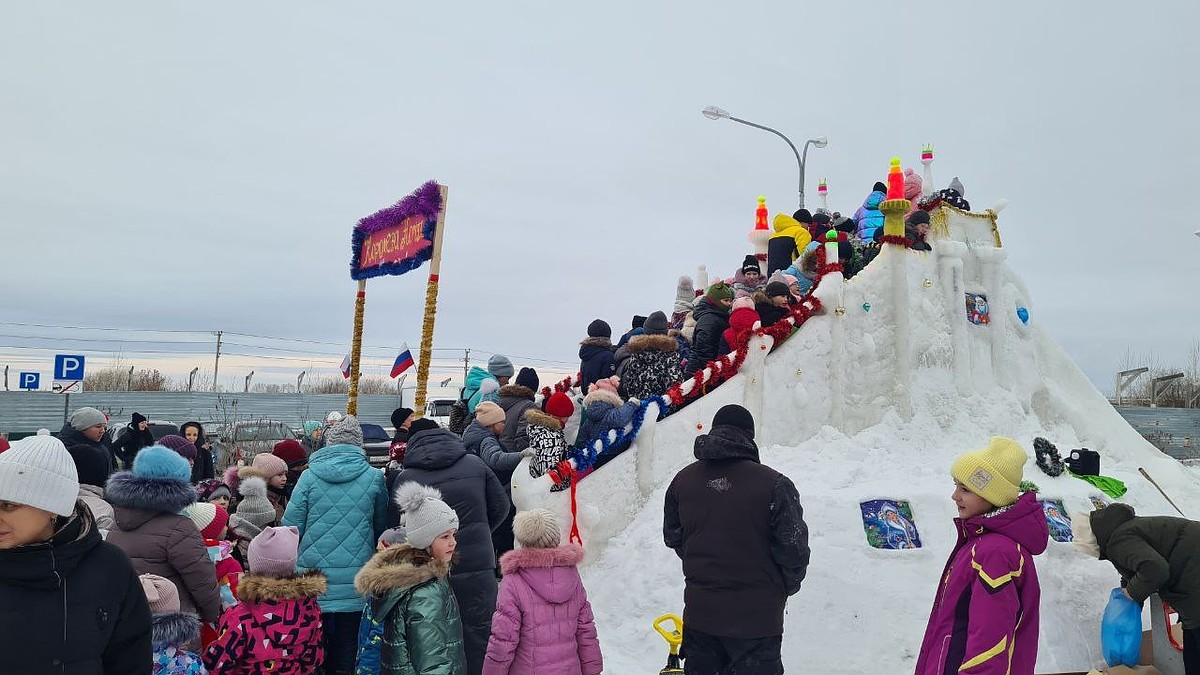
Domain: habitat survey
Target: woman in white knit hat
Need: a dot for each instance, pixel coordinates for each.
(70, 601)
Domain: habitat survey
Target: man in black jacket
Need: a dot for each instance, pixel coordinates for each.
(739, 528)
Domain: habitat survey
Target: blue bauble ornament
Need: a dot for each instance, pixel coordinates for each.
(1023, 315)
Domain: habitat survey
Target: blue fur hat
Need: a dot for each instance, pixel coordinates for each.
(157, 462)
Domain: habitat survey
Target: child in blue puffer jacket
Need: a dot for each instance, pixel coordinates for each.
(868, 216)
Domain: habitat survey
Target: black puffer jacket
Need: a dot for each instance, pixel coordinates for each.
(1153, 554)
(130, 443)
(739, 528)
(93, 461)
(596, 361)
(106, 627)
(711, 321)
(439, 459)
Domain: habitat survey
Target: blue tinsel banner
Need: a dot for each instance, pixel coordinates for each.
(586, 456)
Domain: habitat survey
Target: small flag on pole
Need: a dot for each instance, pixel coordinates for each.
(403, 362)
(346, 367)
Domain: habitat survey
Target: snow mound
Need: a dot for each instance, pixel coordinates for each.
(874, 399)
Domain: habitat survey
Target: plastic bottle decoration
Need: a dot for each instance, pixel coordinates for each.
(823, 193)
(1023, 315)
(927, 160)
(895, 180)
(760, 236)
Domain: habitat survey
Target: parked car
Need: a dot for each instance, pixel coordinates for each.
(438, 410)
(377, 442)
(243, 440)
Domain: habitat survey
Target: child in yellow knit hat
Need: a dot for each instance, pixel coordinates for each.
(985, 613)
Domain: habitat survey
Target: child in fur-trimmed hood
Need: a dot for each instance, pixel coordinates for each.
(171, 631)
(277, 626)
(411, 623)
(543, 621)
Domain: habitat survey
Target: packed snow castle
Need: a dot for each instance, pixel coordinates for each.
(887, 377)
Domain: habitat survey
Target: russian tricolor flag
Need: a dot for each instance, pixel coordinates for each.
(346, 367)
(403, 362)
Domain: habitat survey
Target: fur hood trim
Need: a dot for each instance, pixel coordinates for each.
(603, 396)
(245, 472)
(260, 588)
(541, 419)
(516, 391)
(597, 342)
(653, 343)
(231, 479)
(174, 630)
(148, 494)
(569, 555)
(398, 568)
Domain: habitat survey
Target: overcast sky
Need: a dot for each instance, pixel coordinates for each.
(198, 167)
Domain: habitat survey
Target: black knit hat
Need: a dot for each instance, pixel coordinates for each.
(803, 216)
(656, 324)
(750, 264)
(399, 415)
(778, 288)
(138, 418)
(917, 217)
(879, 187)
(423, 424)
(822, 219)
(845, 224)
(599, 328)
(638, 320)
(528, 378)
(735, 416)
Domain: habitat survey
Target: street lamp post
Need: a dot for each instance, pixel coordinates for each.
(714, 113)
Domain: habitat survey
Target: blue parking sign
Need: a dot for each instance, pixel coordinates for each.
(30, 381)
(68, 367)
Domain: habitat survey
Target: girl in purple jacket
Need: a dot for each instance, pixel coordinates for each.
(985, 614)
(543, 621)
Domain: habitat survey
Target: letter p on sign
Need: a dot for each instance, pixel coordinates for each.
(68, 367)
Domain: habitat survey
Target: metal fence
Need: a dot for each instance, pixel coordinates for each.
(1175, 431)
(26, 412)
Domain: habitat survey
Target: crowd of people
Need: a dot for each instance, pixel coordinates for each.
(136, 557)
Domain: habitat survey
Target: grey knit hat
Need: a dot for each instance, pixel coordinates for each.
(255, 508)
(424, 515)
(500, 366)
(37, 471)
(656, 324)
(345, 431)
(86, 418)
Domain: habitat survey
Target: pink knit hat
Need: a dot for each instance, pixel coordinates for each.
(912, 185)
(161, 594)
(608, 384)
(488, 413)
(269, 465)
(273, 552)
(743, 303)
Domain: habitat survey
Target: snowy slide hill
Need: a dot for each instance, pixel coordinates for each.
(873, 399)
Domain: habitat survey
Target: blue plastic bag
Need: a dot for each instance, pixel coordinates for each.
(1121, 630)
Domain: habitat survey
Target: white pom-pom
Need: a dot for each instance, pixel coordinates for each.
(43, 432)
(411, 495)
(253, 486)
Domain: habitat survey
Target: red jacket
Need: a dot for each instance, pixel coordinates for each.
(277, 622)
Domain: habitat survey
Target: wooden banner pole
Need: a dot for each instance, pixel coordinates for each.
(360, 305)
(431, 293)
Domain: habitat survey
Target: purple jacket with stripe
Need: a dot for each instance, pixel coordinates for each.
(985, 615)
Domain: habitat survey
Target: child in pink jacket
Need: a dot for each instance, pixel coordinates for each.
(277, 626)
(985, 614)
(543, 621)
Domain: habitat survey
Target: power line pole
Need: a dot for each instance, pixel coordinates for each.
(217, 361)
(466, 364)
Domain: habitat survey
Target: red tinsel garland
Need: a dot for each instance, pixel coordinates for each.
(897, 240)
